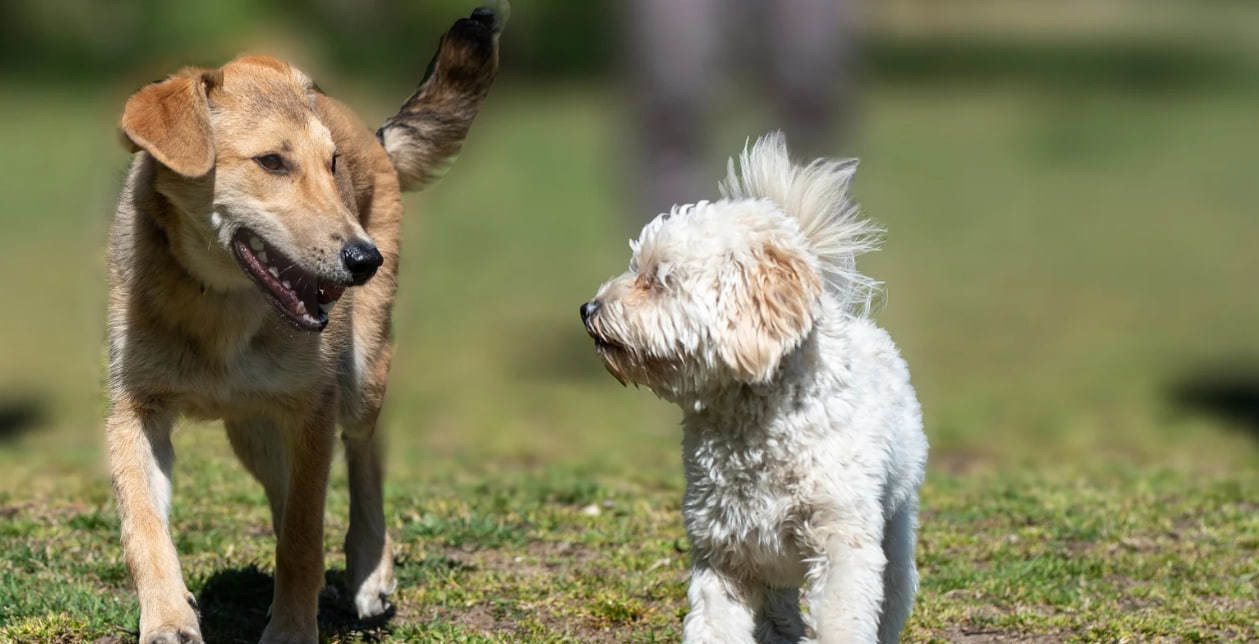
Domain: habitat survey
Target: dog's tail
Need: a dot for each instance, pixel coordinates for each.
(816, 195)
(424, 137)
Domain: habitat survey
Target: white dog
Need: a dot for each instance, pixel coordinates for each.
(803, 442)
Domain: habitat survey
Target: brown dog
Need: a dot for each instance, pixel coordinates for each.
(254, 203)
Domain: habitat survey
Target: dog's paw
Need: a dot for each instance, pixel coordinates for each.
(176, 623)
(369, 570)
(372, 597)
(173, 635)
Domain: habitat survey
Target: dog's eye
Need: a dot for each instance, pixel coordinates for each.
(273, 163)
(333, 166)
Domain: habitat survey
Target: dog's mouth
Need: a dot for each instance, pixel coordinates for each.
(602, 342)
(610, 351)
(303, 298)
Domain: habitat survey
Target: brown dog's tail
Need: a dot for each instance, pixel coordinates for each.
(424, 137)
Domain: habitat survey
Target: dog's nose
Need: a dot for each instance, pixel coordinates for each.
(361, 259)
(588, 309)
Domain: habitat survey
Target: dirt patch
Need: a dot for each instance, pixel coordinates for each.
(535, 561)
(529, 562)
(992, 635)
(117, 639)
(481, 619)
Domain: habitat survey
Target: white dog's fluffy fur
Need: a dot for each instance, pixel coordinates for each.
(803, 443)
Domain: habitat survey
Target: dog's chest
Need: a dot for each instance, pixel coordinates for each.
(228, 377)
(743, 507)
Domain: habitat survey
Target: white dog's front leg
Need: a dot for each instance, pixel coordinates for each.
(846, 595)
(723, 611)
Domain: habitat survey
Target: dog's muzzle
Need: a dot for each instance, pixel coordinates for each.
(588, 310)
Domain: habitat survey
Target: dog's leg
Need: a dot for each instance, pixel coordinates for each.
(846, 592)
(140, 459)
(368, 551)
(299, 544)
(260, 446)
(900, 578)
(779, 620)
(723, 610)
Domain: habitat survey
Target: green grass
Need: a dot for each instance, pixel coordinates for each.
(1057, 265)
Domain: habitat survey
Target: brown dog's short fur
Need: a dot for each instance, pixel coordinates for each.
(254, 200)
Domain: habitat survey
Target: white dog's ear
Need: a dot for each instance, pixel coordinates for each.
(768, 311)
(171, 121)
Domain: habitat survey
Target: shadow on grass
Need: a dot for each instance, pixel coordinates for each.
(233, 605)
(1231, 393)
(18, 414)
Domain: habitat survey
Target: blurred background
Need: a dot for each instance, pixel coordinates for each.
(1068, 187)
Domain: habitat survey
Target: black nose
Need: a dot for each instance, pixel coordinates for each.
(588, 309)
(361, 259)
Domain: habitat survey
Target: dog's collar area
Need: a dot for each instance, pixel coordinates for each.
(303, 299)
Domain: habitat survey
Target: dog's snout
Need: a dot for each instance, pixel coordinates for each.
(588, 309)
(361, 258)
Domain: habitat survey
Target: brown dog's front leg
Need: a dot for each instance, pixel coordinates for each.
(368, 550)
(299, 570)
(140, 458)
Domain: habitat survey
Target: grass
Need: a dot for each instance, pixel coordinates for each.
(1061, 267)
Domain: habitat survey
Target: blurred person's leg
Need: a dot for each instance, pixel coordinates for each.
(809, 55)
(672, 47)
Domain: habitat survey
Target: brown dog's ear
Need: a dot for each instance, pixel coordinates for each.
(768, 313)
(171, 121)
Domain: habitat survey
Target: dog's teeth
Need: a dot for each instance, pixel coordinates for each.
(286, 284)
(274, 272)
(301, 308)
(262, 256)
(255, 244)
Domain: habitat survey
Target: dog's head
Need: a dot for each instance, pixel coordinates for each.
(252, 172)
(715, 294)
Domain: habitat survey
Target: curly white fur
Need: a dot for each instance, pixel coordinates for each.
(803, 443)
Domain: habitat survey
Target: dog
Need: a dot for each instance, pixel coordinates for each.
(253, 263)
(802, 441)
